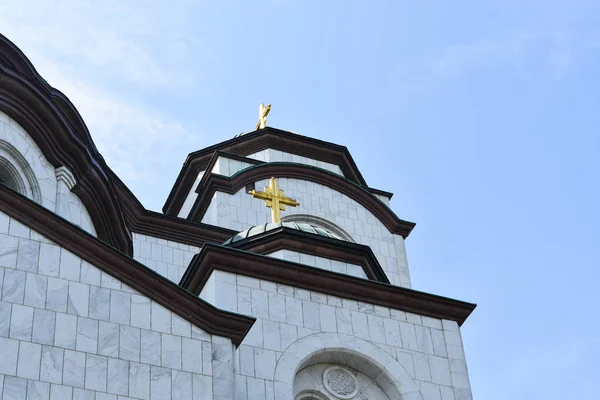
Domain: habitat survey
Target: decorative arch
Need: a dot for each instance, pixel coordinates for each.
(16, 172)
(23, 167)
(58, 130)
(320, 222)
(343, 349)
(211, 183)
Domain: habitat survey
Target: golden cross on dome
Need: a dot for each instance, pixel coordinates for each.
(275, 199)
(262, 116)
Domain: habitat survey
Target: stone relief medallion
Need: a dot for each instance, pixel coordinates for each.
(340, 382)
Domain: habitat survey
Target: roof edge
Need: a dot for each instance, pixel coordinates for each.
(215, 257)
(122, 267)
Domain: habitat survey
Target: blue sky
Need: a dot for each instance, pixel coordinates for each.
(482, 117)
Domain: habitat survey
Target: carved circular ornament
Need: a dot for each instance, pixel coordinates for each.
(340, 382)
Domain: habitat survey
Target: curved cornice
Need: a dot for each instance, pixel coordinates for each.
(210, 183)
(58, 130)
(125, 269)
(253, 142)
(213, 257)
(13, 58)
(284, 238)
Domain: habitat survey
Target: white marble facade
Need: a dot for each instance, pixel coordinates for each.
(320, 262)
(240, 211)
(427, 352)
(69, 331)
(170, 259)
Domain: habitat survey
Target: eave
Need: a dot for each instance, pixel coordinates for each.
(130, 272)
(210, 183)
(221, 258)
(284, 238)
(253, 142)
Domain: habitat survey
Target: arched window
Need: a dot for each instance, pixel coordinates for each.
(331, 377)
(16, 173)
(306, 367)
(310, 395)
(10, 176)
(317, 223)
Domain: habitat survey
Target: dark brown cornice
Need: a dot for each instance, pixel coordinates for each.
(146, 222)
(284, 238)
(214, 257)
(380, 192)
(125, 269)
(211, 183)
(252, 161)
(57, 129)
(252, 142)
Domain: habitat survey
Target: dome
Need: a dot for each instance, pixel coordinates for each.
(259, 229)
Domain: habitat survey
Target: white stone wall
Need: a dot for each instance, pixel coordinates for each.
(191, 197)
(430, 350)
(77, 213)
(240, 211)
(168, 258)
(385, 200)
(320, 262)
(270, 155)
(223, 166)
(228, 167)
(43, 174)
(69, 331)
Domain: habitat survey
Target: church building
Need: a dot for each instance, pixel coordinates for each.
(274, 271)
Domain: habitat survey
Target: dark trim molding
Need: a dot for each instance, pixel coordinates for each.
(252, 161)
(214, 182)
(231, 156)
(214, 257)
(58, 130)
(146, 222)
(125, 269)
(379, 192)
(284, 238)
(252, 142)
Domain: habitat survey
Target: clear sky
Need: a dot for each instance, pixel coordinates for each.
(483, 117)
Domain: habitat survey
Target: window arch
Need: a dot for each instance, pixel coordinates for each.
(319, 223)
(310, 395)
(345, 351)
(16, 173)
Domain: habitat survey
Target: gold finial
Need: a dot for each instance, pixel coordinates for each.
(262, 116)
(274, 199)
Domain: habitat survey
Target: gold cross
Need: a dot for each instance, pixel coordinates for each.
(262, 116)
(275, 199)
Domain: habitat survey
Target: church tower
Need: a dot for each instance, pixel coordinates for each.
(274, 272)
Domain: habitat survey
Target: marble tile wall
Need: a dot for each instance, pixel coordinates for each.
(78, 214)
(320, 262)
(240, 211)
(223, 166)
(271, 155)
(429, 349)
(70, 331)
(168, 258)
(228, 167)
(191, 197)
